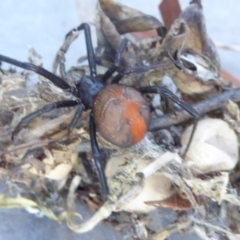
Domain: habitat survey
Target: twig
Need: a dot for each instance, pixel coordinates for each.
(37, 143)
(159, 163)
(202, 107)
(166, 232)
(233, 48)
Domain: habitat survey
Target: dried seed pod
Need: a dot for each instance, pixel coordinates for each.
(198, 70)
(214, 147)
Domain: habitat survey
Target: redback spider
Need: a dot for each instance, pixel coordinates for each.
(119, 113)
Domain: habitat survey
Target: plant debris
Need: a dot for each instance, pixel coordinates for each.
(42, 165)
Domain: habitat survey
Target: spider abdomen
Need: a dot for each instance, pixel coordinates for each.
(121, 115)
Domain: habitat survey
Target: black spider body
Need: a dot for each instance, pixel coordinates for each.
(88, 88)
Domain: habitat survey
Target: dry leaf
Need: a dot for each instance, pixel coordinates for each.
(214, 147)
(176, 202)
(170, 11)
(198, 71)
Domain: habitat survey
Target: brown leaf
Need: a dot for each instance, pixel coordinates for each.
(170, 11)
(176, 202)
(145, 34)
(127, 20)
(109, 39)
(138, 24)
(117, 11)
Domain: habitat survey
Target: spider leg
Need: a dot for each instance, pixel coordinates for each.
(49, 107)
(97, 158)
(188, 108)
(167, 93)
(191, 137)
(43, 72)
(77, 115)
(70, 37)
(90, 52)
(117, 60)
(140, 69)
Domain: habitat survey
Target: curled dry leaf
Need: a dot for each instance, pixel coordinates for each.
(113, 20)
(127, 19)
(198, 67)
(156, 186)
(214, 147)
(109, 41)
